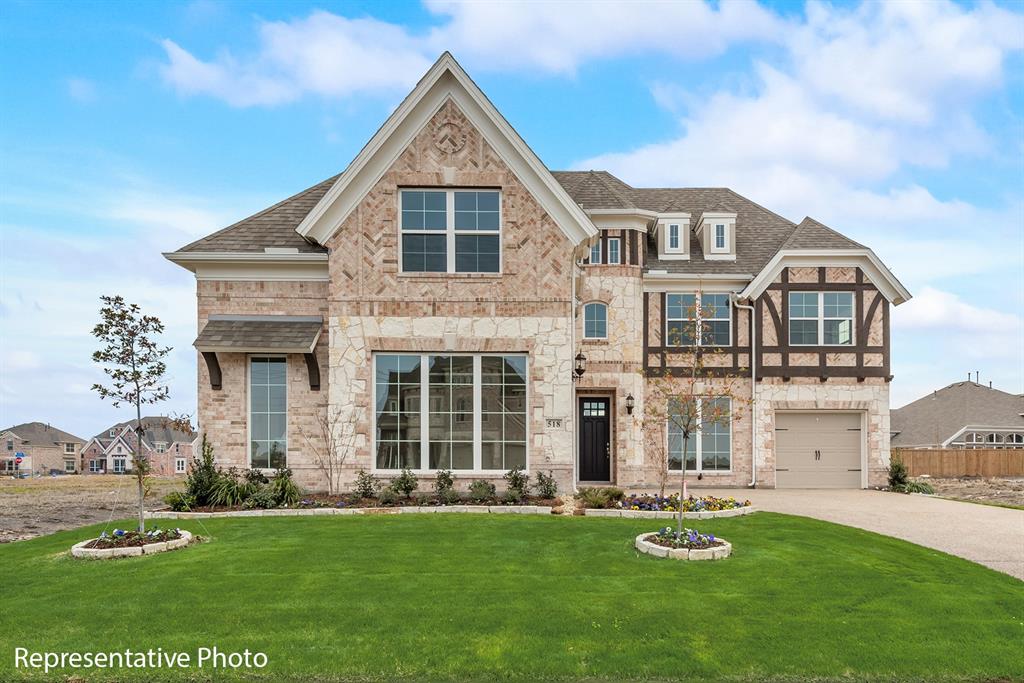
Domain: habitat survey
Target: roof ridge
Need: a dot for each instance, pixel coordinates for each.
(601, 177)
(819, 224)
(263, 212)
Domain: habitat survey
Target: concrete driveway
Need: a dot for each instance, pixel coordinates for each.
(988, 535)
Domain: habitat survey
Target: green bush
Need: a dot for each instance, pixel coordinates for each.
(180, 502)
(261, 499)
(898, 474)
(255, 476)
(366, 485)
(518, 484)
(449, 497)
(405, 483)
(388, 497)
(228, 490)
(913, 487)
(600, 496)
(546, 485)
(443, 483)
(481, 491)
(202, 476)
(284, 490)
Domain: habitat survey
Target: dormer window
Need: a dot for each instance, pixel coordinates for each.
(673, 236)
(717, 236)
(673, 232)
(720, 241)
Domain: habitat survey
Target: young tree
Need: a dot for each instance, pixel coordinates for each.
(694, 400)
(134, 363)
(332, 448)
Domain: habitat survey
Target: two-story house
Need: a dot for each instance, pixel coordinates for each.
(167, 447)
(38, 448)
(453, 303)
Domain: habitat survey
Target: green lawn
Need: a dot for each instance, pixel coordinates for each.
(456, 597)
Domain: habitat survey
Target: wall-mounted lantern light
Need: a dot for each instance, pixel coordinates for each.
(581, 366)
(630, 403)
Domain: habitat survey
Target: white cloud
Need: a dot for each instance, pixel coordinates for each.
(330, 55)
(81, 90)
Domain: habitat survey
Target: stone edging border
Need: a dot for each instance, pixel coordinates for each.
(312, 512)
(658, 514)
(719, 552)
(80, 551)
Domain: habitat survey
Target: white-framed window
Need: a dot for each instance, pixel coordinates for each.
(450, 231)
(614, 254)
(111, 433)
(595, 321)
(268, 412)
(674, 243)
(120, 450)
(69, 466)
(974, 438)
(161, 447)
(721, 238)
(709, 448)
(10, 444)
(179, 465)
(595, 253)
(994, 438)
(1016, 439)
(69, 448)
(119, 465)
(708, 316)
(95, 466)
(821, 318)
(473, 417)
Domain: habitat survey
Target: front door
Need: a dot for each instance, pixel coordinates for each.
(595, 439)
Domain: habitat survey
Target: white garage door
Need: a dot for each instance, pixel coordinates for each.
(817, 450)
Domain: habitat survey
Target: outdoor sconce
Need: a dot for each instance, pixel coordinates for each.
(581, 366)
(630, 402)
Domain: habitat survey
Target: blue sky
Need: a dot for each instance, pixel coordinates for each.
(130, 129)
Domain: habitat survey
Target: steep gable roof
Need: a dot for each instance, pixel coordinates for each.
(937, 417)
(157, 429)
(810, 234)
(445, 80)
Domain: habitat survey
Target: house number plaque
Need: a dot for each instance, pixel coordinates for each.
(554, 423)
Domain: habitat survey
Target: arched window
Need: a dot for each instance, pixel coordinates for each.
(1016, 439)
(595, 321)
(974, 438)
(995, 438)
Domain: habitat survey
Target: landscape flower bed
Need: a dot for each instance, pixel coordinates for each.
(120, 538)
(689, 545)
(656, 503)
(690, 539)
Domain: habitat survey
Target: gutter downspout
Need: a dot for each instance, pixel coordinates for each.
(753, 388)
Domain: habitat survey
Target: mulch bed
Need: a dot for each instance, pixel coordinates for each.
(132, 539)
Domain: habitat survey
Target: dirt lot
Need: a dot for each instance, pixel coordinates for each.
(1001, 491)
(34, 507)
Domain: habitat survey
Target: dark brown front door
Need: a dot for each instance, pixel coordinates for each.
(595, 439)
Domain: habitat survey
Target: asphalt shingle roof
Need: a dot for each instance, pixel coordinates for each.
(932, 419)
(156, 429)
(285, 333)
(760, 233)
(40, 433)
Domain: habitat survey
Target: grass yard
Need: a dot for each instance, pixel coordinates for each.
(489, 597)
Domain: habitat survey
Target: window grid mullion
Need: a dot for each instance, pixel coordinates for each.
(477, 413)
(450, 228)
(424, 412)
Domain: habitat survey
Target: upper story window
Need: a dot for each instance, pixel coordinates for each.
(595, 321)
(704, 319)
(673, 236)
(450, 231)
(69, 448)
(161, 447)
(111, 433)
(821, 318)
(720, 241)
(614, 255)
(10, 444)
(595, 253)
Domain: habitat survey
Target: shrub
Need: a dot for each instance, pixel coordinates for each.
(546, 485)
(254, 476)
(443, 483)
(518, 483)
(366, 485)
(898, 474)
(405, 483)
(261, 499)
(600, 497)
(512, 497)
(228, 490)
(481, 490)
(388, 497)
(180, 502)
(202, 476)
(284, 490)
(449, 497)
(913, 487)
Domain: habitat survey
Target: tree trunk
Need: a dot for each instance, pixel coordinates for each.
(682, 483)
(139, 474)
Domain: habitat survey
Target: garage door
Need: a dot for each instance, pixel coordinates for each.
(817, 450)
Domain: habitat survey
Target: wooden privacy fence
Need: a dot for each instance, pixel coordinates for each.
(962, 462)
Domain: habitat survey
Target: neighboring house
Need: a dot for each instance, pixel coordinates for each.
(43, 449)
(169, 449)
(961, 415)
(436, 297)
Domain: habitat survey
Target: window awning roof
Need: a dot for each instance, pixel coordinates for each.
(259, 334)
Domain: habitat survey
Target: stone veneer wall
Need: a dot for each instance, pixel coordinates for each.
(224, 414)
(870, 396)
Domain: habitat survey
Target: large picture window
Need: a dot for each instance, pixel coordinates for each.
(706, 316)
(450, 231)
(708, 449)
(268, 412)
(820, 318)
(473, 419)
